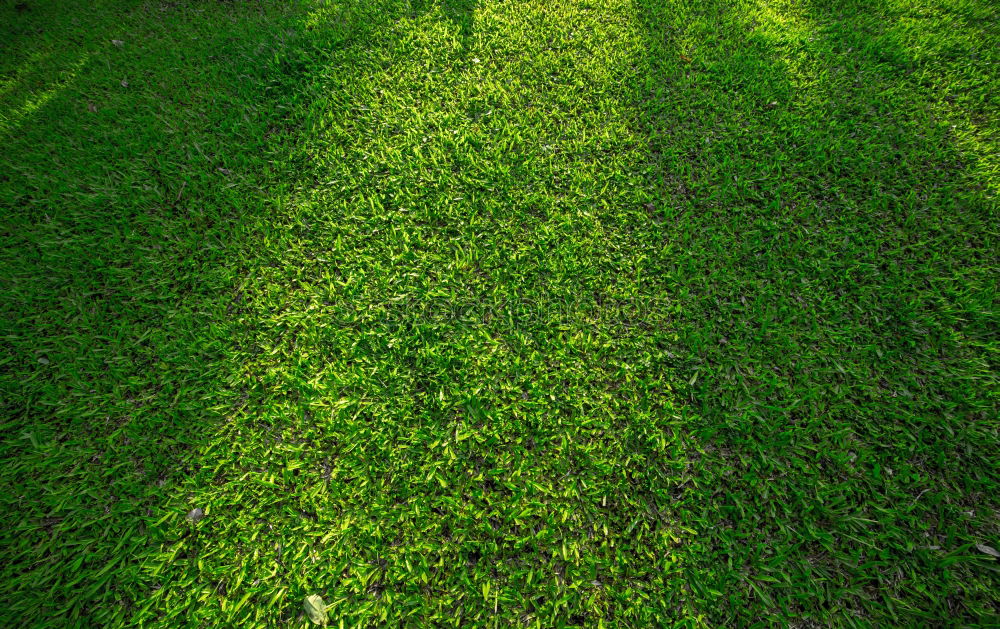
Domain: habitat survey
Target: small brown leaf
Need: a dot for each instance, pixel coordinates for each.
(92, 108)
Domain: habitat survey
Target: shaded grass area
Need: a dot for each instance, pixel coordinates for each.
(829, 188)
(115, 238)
(540, 314)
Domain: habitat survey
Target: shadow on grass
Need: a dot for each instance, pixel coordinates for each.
(833, 245)
(131, 188)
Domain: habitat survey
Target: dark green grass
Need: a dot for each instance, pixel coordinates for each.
(829, 186)
(499, 313)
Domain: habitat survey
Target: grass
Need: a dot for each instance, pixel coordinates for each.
(621, 313)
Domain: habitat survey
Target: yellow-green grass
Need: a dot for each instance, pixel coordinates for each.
(499, 313)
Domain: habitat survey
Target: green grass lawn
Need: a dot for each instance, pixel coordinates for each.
(618, 313)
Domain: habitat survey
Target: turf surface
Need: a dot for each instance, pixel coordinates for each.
(626, 313)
